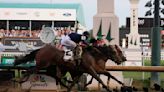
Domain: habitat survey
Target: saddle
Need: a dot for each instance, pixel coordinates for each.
(78, 54)
(71, 55)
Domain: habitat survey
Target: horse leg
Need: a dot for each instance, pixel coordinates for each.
(27, 75)
(24, 78)
(108, 81)
(75, 80)
(89, 82)
(110, 76)
(58, 76)
(58, 79)
(93, 73)
(51, 70)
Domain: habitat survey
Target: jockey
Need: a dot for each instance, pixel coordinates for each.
(100, 40)
(70, 41)
(85, 38)
(91, 41)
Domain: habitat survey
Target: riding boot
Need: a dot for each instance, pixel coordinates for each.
(78, 53)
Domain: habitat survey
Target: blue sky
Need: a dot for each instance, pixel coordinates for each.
(122, 8)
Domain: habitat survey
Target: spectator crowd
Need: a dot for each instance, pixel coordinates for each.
(19, 33)
(28, 33)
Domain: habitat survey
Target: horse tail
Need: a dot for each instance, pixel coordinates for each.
(27, 58)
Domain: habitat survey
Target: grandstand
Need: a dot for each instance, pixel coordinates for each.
(32, 16)
(23, 22)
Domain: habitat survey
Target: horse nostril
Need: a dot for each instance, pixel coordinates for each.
(125, 59)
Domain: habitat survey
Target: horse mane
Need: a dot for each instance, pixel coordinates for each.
(96, 53)
(102, 49)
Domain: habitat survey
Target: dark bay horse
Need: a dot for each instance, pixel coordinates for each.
(112, 52)
(99, 65)
(50, 55)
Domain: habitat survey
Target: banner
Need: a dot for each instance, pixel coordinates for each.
(40, 82)
(144, 22)
(12, 41)
(37, 14)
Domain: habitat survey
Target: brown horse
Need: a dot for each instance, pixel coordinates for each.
(99, 66)
(112, 52)
(50, 55)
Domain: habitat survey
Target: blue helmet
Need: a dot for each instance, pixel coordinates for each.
(86, 33)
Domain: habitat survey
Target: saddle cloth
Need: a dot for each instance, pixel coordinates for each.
(68, 55)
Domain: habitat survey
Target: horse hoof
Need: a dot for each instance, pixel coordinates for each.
(107, 89)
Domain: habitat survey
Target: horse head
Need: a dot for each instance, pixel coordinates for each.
(116, 53)
(120, 52)
(113, 52)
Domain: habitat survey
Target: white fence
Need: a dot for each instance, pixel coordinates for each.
(147, 55)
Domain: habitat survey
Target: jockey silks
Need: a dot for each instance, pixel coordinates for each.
(75, 37)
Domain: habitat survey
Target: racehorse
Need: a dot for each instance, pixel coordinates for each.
(112, 52)
(55, 57)
(42, 57)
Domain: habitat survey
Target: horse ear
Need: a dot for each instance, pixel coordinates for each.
(116, 46)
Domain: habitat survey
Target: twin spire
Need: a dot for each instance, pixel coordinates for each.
(99, 33)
